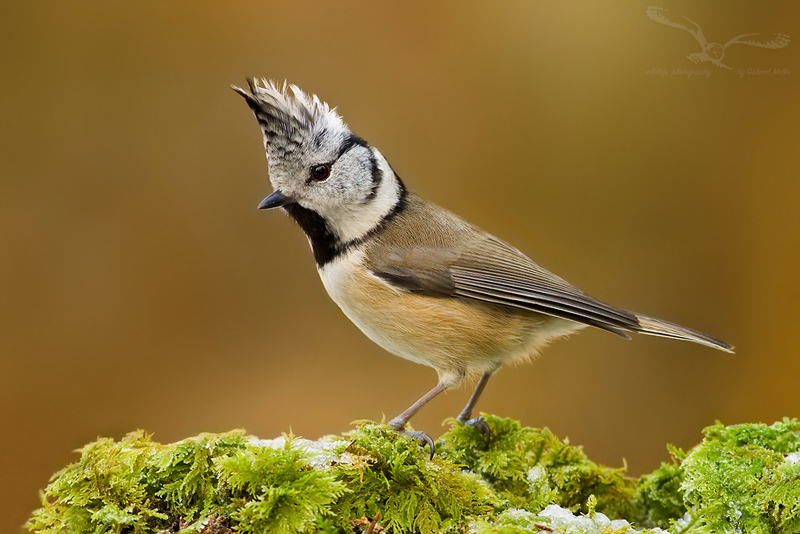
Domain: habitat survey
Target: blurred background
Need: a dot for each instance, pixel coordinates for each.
(141, 288)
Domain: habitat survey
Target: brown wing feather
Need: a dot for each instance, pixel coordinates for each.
(446, 256)
(493, 270)
(432, 251)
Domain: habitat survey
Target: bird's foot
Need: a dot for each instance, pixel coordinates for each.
(479, 424)
(422, 438)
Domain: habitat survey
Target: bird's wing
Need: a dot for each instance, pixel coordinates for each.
(490, 270)
(432, 252)
(773, 40)
(659, 14)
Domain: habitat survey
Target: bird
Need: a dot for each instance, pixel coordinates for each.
(714, 52)
(418, 280)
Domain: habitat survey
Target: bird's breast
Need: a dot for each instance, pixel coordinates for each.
(455, 336)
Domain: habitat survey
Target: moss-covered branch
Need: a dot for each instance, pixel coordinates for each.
(743, 478)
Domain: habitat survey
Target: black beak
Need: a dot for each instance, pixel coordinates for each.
(275, 200)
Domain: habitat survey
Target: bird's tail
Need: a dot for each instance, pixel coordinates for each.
(657, 327)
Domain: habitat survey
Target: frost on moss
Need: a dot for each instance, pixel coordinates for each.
(530, 468)
(743, 478)
(139, 486)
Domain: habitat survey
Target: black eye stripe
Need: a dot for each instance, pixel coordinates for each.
(351, 141)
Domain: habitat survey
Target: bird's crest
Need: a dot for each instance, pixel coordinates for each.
(289, 117)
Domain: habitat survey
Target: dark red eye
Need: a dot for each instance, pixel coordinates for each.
(320, 172)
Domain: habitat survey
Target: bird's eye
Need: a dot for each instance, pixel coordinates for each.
(320, 172)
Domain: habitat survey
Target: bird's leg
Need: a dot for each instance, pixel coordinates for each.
(478, 423)
(399, 422)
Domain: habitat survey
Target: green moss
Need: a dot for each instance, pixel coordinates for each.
(274, 490)
(390, 474)
(743, 478)
(659, 497)
(139, 486)
(531, 468)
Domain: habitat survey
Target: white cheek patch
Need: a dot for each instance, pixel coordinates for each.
(353, 221)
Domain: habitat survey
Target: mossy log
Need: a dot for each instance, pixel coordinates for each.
(743, 478)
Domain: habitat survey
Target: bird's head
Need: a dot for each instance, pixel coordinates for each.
(317, 164)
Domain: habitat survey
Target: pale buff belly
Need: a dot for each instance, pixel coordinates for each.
(457, 337)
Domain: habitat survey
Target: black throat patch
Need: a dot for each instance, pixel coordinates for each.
(324, 244)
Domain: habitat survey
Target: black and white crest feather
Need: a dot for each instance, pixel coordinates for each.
(291, 120)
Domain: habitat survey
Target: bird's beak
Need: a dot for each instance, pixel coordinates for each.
(275, 200)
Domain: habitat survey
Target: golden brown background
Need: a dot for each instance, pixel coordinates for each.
(141, 288)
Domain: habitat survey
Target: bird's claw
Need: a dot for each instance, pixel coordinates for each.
(421, 437)
(479, 424)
